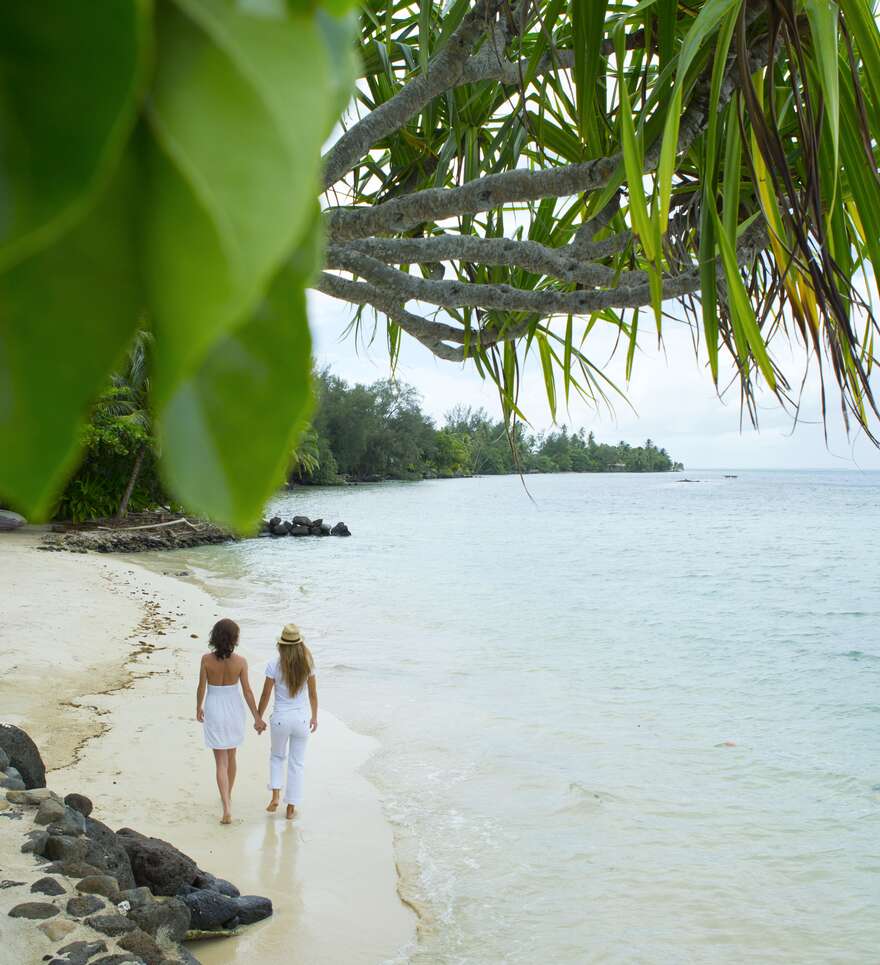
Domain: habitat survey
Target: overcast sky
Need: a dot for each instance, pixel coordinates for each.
(671, 392)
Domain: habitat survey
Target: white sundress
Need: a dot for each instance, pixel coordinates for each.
(224, 717)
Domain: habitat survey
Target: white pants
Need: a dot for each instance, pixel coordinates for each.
(290, 734)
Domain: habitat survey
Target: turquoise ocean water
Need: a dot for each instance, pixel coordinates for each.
(622, 718)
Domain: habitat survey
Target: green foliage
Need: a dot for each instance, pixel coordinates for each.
(368, 433)
(160, 169)
(111, 443)
(739, 143)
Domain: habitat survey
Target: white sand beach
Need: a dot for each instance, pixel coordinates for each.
(99, 664)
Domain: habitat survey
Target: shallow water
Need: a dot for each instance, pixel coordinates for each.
(624, 720)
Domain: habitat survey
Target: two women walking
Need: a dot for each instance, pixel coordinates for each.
(223, 681)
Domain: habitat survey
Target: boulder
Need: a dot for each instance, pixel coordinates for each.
(23, 755)
(111, 924)
(141, 944)
(302, 521)
(36, 842)
(167, 921)
(137, 896)
(317, 523)
(156, 863)
(280, 528)
(340, 529)
(79, 802)
(78, 953)
(47, 886)
(252, 908)
(81, 906)
(64, 847)
(124, 958)
(34, 910)
(72, 869)
(49, 812)
(4, 760)
(10, 521)
(71, 822)
(107, 853)
(210, 882)
(103, 885)
(274, 521)
(210, 909)
(299, 530)
(11, 783)
(33, 798)
(324, 530)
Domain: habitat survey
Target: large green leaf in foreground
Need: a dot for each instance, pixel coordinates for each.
(239, 110)
(228, 430)
(70, 76)
(220, 183)
(66, 316)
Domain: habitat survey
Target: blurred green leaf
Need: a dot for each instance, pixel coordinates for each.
(227, 431)
(240, 107)
(66, 315)
(70, 79)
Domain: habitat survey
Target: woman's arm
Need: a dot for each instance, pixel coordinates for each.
(265, 695)
(200, 692)
(249, 696)
(313, 700)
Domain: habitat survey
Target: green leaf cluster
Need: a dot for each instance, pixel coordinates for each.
(160, 171)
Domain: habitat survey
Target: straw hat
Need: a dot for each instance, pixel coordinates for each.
(290, 635)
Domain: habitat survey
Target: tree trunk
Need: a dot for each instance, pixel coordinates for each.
(129, 489)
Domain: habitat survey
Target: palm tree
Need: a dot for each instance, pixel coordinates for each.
(573, 165)
(128, 401)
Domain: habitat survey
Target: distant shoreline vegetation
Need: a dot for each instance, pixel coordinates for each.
(372, 433)
(358, 433)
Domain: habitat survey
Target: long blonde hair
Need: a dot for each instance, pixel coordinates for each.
(295, 660)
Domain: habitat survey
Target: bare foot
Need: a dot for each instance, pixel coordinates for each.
(272, 805)
(290, 811)
(226, 819)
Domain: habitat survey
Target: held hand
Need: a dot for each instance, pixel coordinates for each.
(200, 715)
(313, 724)
(259, 725)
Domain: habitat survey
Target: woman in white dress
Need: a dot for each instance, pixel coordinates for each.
(294, 716)
(222, 681)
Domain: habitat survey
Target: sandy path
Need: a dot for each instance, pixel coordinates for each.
(98, 665)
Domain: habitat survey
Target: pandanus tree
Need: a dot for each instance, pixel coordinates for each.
(526, 172)
(511, 175)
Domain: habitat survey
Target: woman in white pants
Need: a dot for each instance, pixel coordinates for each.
(294, 715)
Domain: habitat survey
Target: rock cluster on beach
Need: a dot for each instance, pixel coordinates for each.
(102, 897)
(161, 531)
(302, 526)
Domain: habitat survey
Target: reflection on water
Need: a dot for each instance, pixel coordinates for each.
(629, 721)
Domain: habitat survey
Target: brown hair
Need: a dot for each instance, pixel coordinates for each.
(295, 661)
(224, 638)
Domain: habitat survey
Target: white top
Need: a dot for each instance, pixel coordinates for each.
(283, 699)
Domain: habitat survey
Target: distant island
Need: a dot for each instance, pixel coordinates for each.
(370, 433)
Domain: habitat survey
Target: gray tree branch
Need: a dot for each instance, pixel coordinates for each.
(569, 264)
(443, 72)
(519, 186)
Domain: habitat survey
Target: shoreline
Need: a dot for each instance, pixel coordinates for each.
(100, 656)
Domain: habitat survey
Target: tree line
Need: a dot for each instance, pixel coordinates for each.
(366, 433)
(358, 433)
